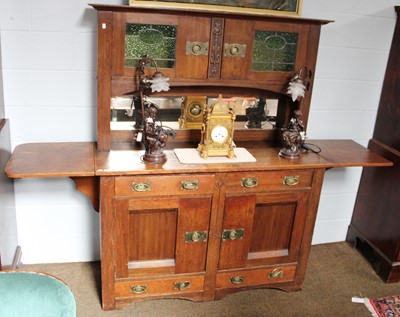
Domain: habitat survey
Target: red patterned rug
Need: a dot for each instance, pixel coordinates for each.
(385, 306)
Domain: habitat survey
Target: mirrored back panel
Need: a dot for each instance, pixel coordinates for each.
(186, 112)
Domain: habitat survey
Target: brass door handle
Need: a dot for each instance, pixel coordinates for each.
(190, 185)
(181, 285)
(138, 289)
(236, 280)
(291, 180)
(196, 48)
(233, 234)
(249, 182)
(276, 273)
(196, 236)
(234, 50)
(141, 187)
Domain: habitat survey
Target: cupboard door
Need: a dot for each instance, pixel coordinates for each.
(178, 44)
(262, 229)
(263, 51)
(161, 235)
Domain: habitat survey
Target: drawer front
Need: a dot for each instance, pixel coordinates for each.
(140, 186)
(276, 274)
(273, 180)
(153, 287)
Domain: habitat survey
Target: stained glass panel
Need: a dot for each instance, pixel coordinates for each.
(155, 41)
(274, 51)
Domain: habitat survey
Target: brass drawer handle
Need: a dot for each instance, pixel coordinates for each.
(233, 234)
(190, 185)
(291, 180)
(196, 236)
(234, 50)
(276, 273)
(139, 289)
(236, 280)
(249, 182)
(196, 48)
(181, 285)
(141, 187)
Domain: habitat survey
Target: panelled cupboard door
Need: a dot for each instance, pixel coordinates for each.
(161, 235)
(178, 44)
(262, 229)
(263, 51)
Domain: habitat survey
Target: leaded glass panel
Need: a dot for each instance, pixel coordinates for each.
(155, 41)
(274, 51)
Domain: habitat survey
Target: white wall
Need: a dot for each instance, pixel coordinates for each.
(49, 65)
(350, 70)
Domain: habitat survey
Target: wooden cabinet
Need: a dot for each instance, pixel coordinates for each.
(202, 53)
(202, 236)
(375, 225)
(194, 46)
(198, 231)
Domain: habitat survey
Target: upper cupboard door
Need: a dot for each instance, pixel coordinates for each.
(178, 44)
(265, 52)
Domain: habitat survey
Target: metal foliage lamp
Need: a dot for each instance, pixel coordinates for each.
(293, 136)
(152, 135)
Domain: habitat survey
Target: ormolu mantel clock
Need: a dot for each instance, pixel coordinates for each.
(192, 111)
(217, 130)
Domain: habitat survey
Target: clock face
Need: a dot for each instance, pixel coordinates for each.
(195, 109)
(219, 134)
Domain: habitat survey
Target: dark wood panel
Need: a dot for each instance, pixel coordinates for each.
(272, 229)
(194, 215)
(238, 214)
(152, 235)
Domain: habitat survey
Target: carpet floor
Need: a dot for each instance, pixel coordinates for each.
(336, 272)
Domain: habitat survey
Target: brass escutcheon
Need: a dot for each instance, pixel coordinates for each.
(276, 273)
(233, 234)
(249, 182)
(196, 48)
(190, 185)
(138, 289)
(234, 50)
(236, 279)
(196, 236)
(291, 180)
(141, 187)
(181, 285)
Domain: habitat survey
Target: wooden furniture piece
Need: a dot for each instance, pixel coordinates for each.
(209, 57)
(375, 226)
(241, 226)
(8, 233)
(199, 231)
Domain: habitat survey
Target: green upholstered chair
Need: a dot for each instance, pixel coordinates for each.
(33, 294)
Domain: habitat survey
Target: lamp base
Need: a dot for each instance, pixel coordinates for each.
(155, 158)
(290, 154)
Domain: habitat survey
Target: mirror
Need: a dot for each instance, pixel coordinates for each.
(186, 112)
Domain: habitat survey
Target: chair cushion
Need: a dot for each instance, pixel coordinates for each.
(35, 295)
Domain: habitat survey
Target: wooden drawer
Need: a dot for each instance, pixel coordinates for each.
(154, 287)
(273, 180)
(139, 186)
(270, 275)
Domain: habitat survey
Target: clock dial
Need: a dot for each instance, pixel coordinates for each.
(195, 109)
(219, 134)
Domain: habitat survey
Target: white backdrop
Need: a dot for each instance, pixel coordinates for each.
(49, 73)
